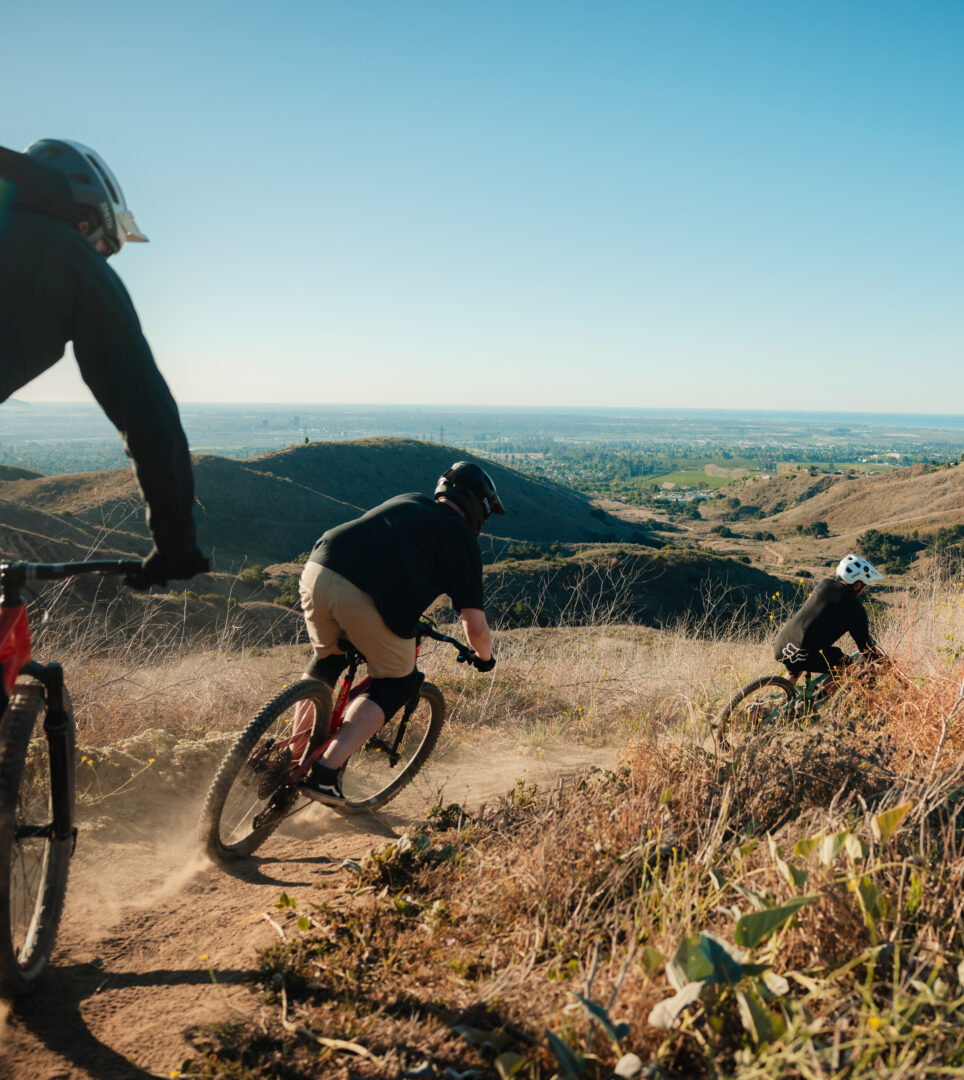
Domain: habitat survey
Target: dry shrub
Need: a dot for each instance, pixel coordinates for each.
(600, 871)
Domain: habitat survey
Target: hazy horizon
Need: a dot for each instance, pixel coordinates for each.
(881, 416)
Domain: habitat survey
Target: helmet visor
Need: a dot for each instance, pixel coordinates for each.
(125, 219)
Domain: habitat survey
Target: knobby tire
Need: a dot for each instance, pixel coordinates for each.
(233, 772)
(33, 869)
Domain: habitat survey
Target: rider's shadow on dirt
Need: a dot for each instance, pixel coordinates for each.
(53, 1013)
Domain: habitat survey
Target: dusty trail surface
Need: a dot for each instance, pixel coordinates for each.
(156, 942)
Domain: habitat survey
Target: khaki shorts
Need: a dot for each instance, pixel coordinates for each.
(334, 608)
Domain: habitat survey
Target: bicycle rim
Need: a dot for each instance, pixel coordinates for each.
(759, 702)
(377, 772)
(251, 794)
(33, 865)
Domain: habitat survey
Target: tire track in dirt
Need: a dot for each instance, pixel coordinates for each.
(156, 942)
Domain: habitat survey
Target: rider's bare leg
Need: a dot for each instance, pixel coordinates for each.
(361, 722)
(304, 720)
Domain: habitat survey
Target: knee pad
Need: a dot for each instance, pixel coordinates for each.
(327, 668)
(391, 694)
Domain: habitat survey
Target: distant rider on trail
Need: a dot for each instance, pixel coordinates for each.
(370, 580)
(806, 641)
(62, 215)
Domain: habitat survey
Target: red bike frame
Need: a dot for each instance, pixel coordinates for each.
(14, 645)
(347, 692)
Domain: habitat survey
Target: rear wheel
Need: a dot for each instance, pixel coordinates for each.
(757, 702)
(33, 865)
(252, 792)
(377, 772)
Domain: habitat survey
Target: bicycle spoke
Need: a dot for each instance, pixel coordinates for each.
(253, 790)
(390, 760)
(28, 862)
(248, 801)
(765, 701)
(33, 863)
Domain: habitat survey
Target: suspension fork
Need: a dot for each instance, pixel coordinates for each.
(58, 727)
(410, 706)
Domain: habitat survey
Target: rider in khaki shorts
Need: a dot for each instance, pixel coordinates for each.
(370, 580)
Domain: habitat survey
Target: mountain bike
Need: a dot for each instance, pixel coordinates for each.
(37, 832)
(773, 699)
(256, 787)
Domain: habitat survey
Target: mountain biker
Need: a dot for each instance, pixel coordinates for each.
(62, 216)
(806, 641)
(370, 580)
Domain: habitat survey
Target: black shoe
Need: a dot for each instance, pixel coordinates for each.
(323, 785)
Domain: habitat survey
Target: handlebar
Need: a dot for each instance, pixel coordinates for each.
(427, 630)
(14, 575)
(466, 655)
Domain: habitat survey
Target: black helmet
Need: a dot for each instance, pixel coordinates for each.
(95, 190)
(471, 489)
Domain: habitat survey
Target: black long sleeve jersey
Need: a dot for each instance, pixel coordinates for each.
(831, 610)
(54, 288)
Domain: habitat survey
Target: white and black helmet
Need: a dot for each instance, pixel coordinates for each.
(854, 568)
(95, 190)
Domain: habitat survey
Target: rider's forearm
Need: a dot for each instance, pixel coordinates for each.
(477, 632)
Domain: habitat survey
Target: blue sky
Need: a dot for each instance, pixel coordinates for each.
(624, 202)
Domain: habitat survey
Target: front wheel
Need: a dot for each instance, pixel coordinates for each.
(758, 701)
(252, 792)
(388, 762)
(33, 863)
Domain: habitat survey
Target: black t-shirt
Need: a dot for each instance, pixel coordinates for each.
(54, 288)
(831, 610)
(405, 553)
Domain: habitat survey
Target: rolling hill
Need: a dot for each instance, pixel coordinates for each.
(268, 508)
(923, 497)
(617, 585)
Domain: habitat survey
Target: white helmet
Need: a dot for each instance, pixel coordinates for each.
(94, 188)
(853, 568)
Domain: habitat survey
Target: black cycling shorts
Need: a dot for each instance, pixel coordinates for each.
(797, 661)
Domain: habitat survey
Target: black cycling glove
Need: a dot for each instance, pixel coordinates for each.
(483, 665)
(158, 568)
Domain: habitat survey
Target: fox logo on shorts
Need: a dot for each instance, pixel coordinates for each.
(793, 654)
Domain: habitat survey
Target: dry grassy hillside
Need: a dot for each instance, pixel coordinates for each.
(269, 508)
(920, 497)
(27, 532)
(651, 588)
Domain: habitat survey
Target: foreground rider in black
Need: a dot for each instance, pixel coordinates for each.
(62, 215)
(806, 641)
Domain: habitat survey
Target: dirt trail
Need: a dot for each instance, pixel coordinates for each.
(156, 942)
(777, 557)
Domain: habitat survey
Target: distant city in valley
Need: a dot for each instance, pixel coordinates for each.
(616, 452)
